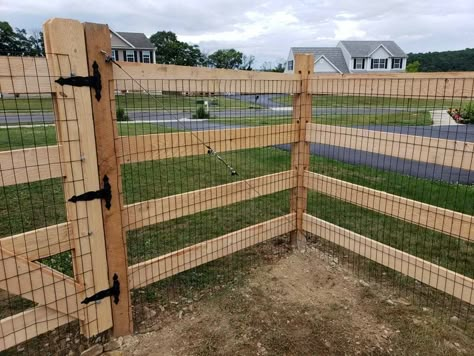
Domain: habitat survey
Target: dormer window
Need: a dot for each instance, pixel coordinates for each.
(359, 63)
(379, 63)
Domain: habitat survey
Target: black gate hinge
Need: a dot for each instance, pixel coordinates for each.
(113, 291)
(105, 193)
(91, 81)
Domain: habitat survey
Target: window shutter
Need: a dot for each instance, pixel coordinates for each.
(363, 63)
(355, 60)
(371, 64)
(135, 55)
(401, 63)
(141, 56)
(386, 61)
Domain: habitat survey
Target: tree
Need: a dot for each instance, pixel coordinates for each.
(280, 68)
(461, 60)
(19, 41)
(413, 66)
(227, 59)
(268, 67)
(247, 62)
(169, 50)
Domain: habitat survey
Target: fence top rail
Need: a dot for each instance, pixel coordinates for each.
(405, 75)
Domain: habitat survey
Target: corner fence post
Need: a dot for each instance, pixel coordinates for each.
(106, 130)
(302, 112)
(66, 58)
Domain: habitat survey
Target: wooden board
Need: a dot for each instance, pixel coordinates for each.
(40, 243)
(26, 325)
(145, 273)
(24, 75)
(66, 54)
(432, 217)
(426, 272)
(158, 210)
(302, 112)
(458, 154)
(417, 85)
(180, 144)
(29, 165)
(159, 77)
(40, 284)
(98, 39)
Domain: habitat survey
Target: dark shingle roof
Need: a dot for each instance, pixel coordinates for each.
(364, 48)
(138, 40)
(333, 54)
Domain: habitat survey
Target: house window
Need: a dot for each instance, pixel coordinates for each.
(290, 65)
(130, 56)
(115, 55)
(396, 63)
(146, 57)
(379, 63)
(358, 63)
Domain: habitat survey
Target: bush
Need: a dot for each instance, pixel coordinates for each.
(121, 115)
(467, 112)
(201, 113)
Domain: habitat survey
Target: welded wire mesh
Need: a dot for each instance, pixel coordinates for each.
(392, 161)
(198, 165)
(42, 263)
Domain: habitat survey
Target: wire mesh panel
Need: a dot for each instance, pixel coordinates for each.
(45, 254)
(391, 180)
(205, 174)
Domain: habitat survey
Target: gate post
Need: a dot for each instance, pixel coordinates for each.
(66, 56)
(302, 112)
(106, 131)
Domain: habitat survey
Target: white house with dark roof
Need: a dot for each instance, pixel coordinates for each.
(353, 57)
(132, 47)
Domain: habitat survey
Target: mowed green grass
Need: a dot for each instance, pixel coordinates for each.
(414, 102)
(407, 118)
(29, 206)
(12, 138)
(132, 101)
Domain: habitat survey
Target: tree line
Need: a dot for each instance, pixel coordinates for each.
(446, 61)
(169, 50)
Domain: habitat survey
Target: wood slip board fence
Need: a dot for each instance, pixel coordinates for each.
(96, 236)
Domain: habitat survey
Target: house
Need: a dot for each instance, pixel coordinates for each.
(353, 57)
(132, 47)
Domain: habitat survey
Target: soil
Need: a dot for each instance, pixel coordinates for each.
(298, 305)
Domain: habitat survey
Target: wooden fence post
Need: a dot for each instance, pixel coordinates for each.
(302, 112)
(66, 55)
(106, 130)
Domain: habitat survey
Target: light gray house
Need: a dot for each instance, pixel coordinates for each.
(132, 47)
(353, 57)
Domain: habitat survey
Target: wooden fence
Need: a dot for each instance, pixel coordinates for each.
(89, 148)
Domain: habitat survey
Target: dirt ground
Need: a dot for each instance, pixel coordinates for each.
(300, 305)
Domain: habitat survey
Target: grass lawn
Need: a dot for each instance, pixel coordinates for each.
(26, 137)
(129, 102)
(409, 118)
(29, 206)
(376, 101)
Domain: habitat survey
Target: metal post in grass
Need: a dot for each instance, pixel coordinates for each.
(302, 111)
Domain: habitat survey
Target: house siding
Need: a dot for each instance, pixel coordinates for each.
(323, 66)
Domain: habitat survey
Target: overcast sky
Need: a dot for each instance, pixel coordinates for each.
(267, 29)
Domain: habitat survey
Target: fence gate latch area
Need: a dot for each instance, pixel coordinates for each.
(93, 81)
(105, 193)
(113, 291)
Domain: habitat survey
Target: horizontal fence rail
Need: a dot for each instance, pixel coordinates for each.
(168, 265)
(452, 153)
(440, 278)
(155, 211)
(432, 217)
(182, 144)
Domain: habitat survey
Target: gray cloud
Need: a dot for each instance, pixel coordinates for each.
(267, 29)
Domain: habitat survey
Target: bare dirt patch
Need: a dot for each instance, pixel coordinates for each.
(299, 305)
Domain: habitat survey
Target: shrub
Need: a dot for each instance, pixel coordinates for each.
(121, 115)
(467, 112)
(201, 113)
